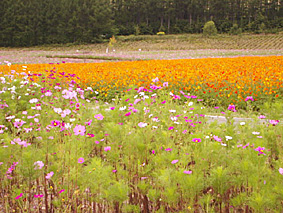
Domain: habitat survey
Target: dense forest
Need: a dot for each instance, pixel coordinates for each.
(38, 22)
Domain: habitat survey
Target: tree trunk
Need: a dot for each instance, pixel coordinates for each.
(168, 24)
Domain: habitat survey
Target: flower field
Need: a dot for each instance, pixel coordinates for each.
(228, 79)
(136, 136)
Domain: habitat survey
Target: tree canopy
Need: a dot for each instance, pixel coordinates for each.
(38, 22)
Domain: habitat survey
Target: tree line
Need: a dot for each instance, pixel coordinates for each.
(39, 22)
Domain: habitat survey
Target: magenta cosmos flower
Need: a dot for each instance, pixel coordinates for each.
(55, 123)
(197, 140)
(19, 196)
(99, 117)
(249, 98)
(188, 172)
(79, 130)
(128, 114)
(260, 150)
(81, 160)
(232, 107)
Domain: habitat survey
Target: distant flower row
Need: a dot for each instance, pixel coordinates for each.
(232, 79)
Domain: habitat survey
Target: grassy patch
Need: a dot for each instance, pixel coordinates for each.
(107, 58)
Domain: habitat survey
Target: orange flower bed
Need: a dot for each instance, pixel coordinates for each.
(229, 78)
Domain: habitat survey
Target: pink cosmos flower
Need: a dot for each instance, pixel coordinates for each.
(81, 160)
(197, 140)
(38, 165)
(49, 175)
(274, 122)
(168, 150)
(143, 178)
(48, 93)
(163, 102)
(142, 124)
(155, 80)
(99, 117)
(37, 196)
(174, 161)
(137, 101)
(246, 145)
(107, 148)
(114, 170)
(165, 84)
(217, 138)
(61, 191)
(281, 171)
(18, 123)
(153, 151)
(79, 130)
(188, 172)
(261, 117)
(170, 128)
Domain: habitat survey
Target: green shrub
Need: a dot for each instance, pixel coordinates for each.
(235, 30)
(209, 29)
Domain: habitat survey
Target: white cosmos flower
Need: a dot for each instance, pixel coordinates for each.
(255, 133)
(190, 103)
(34, 100)
(68, 125)
(122, 108)
(172, 110)
(58, 110)
(10, 117)
(242, 123)
(228, 137)
(174, 118)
